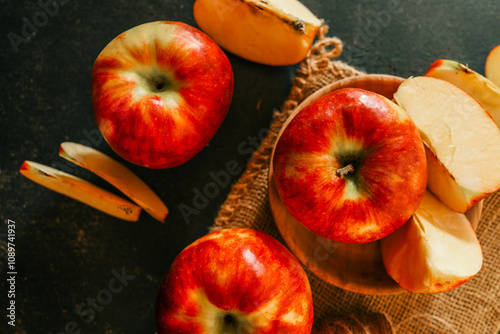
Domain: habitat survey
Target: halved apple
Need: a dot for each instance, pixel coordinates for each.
(460, 133)
(435, 251)
(272, 32)
(118, 175)
(80, 190)
(492, 65)
(481, 88)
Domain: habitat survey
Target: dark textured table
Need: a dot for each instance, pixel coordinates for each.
(67, 254)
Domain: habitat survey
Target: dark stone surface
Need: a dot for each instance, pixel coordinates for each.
(67, 252)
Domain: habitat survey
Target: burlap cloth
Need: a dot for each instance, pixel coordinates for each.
(472, 308)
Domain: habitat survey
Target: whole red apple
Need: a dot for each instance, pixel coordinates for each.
(160, 91)
(235, 281)
(351, 166)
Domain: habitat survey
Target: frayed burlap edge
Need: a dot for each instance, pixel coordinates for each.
(471, 308)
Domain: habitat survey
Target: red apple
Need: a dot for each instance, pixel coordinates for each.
(351, 166)
(160, 91)
(235, 281)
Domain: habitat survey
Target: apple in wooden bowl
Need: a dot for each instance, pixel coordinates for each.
(357, 267)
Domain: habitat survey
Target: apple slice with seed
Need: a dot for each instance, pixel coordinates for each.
(272, 32)
(492, 65)
(80, 190)
(460, 133)
(435, 251)
(479, 87)
(117, 174)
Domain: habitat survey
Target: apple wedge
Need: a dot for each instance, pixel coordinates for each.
(443, 183)
(492, 65)
(80, 190)
(460, 133)
(118, 175)
(272, 32)
(435, 251)
(479, 87)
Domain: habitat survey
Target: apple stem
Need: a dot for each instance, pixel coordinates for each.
(344, 170)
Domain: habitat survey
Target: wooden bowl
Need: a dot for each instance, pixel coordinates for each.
(353, 267)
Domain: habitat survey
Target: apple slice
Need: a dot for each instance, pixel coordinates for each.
(435, 251)
(80, 190)
(479, 87)
(443, 184)
(460, 133)
(118, 175)
(492, 65)
(272, 32)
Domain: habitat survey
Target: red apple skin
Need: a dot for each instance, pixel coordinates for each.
(390, 168)
(239, 272)
(161, 127)
(436, 64)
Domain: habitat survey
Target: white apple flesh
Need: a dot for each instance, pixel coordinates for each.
(460, 133)
(80, 190)
(272, 32)
(435, 251)
(443, 184)
(118, 175)
(479, 87)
